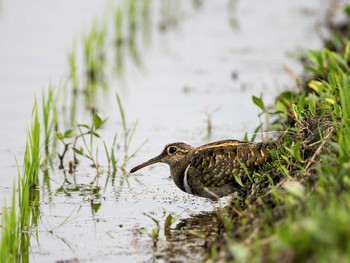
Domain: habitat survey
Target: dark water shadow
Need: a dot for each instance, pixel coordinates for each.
(189, 240)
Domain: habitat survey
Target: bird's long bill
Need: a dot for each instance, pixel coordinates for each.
(156, 159)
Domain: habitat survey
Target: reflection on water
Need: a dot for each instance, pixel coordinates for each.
(188, 240)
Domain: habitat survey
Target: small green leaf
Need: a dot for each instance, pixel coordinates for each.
(77, 151)
(59, 135)
(97, 121)
(84, 126)
(294, 150)
(170, 220)
(315, 56)
(259, 102)
(238, 179)
(96, 134)
(96, 207)
(68, 134)
(310, 69)
(281, 109)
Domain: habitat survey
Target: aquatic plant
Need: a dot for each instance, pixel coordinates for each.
(49, 112)
(71, 138)
(127, 22)
(32, 154)
(10, 232)
(62, 137)
(86, 134)
(111, 157)
(74, 81)
(128, 134)
(95, 61)
(92, 131)
(17, 220)
(154, 234)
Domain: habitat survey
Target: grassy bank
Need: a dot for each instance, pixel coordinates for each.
(296, 209)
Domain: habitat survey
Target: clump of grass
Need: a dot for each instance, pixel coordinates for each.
(32, 155)
(17, 220)
(10, 233)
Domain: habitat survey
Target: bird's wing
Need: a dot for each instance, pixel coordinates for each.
(219, 163)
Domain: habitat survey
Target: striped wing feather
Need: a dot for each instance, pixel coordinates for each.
(215, 165)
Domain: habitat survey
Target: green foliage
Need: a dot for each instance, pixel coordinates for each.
(154, 233)
(10, 233)
(325, 61)
(92, 132)
(111, 157)
(15, 238)
(32, 155)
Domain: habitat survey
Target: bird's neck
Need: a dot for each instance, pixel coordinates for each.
(177, 173)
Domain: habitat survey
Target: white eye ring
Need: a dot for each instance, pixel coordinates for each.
(171, 150)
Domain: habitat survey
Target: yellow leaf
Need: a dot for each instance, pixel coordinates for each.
(315, 85)
(330, 101)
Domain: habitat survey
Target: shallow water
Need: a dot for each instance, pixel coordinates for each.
(209, 65)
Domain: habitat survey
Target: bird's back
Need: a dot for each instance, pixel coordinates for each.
(217, 167)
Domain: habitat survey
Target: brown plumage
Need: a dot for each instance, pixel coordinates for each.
(212, 170)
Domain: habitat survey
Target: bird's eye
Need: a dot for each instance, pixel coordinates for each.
(172, 149)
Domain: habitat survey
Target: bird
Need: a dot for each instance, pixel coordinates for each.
(212, 170)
